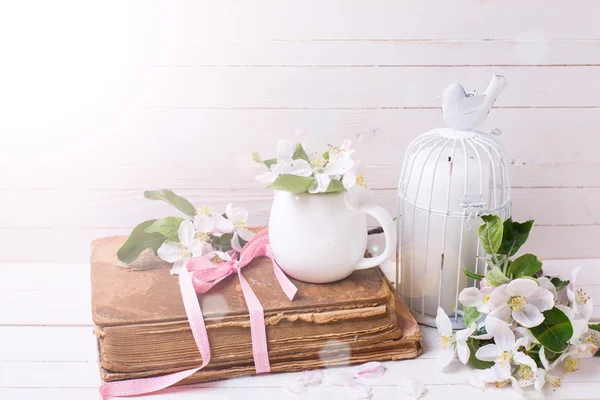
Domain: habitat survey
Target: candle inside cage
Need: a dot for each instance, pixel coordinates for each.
(449, 179)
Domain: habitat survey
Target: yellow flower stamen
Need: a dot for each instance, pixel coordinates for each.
(317, 161)
(205, 209)
(524, 372)
(360, 180)
(554, 381)
(503, 359)
(517, 302)
(582, 297)
(486, 299)
(572, 365)
(334, 149)
(241, 224)
(500, 384)
(446, 341)
(202, 236)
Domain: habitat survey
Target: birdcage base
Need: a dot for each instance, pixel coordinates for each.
(428, 320)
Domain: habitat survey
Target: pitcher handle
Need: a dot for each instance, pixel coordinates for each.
(389, 232)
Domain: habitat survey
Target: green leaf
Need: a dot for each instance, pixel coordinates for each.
(138, 241)
(472, 275)
(470, 314)
(256, 157)
(171, 198)
(270, 162)
(335, 186)
(595, 327)
(555, 332)
(292, 183)
(558, 283)
(168, 227)
(514, 235)
(490, 233)
(326, 155)
(223, 243)
(299, 153)
(526, 265)
(495, 277)
(474, 345)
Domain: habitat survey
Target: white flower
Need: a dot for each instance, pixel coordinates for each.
(452, 343)
(285, 164)
(479, 298)
(178, 253)
(522, 298)
(354, 176)
(580, 302)
(205, 228)
(239, 219)
(496, 374)
(220, 225)
(343, 152)
(338, 164)
(542, 376)
(505, 350)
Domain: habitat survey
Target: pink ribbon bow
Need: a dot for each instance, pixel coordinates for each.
(204, 274)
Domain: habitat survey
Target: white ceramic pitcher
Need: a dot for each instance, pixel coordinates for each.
(321, 238)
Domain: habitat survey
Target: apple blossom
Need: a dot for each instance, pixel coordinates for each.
(285, 164)
(179, 252)
(238, 217)
(452, 342)
(479, 298)
(523, 299)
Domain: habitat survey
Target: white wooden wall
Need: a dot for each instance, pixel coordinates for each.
(101, 100)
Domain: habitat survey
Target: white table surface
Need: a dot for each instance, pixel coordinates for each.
(48, 350)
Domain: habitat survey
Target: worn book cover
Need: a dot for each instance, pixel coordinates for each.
(142, 328)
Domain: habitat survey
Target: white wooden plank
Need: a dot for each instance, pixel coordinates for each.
(357, 19)
(192, 137)
(126, 208)
(360, 87)
(528, 50)
(72, 244)
(191, 177)
(85, 374)
(48, 343)
(568, 391)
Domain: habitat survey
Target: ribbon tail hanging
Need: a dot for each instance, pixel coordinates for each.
(257, 327)
(133, 387)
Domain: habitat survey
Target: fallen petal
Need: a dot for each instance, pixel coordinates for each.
(371, 370)
(341, 379)
(358, 391)
(311, 378)
(413, 387)
(296, 388)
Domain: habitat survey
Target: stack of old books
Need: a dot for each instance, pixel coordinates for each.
(143, 331)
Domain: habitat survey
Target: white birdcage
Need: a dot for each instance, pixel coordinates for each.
(450, 177)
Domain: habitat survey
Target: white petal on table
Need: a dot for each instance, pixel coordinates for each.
(296, 388)
(413, 387)
(371, 370)
(358, 391)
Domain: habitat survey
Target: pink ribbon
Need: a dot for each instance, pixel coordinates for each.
(204, 274)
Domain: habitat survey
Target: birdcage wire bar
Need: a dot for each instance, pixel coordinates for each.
(449, 178)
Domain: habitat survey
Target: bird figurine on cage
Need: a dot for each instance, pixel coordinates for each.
(466, 111)
(450, 177)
